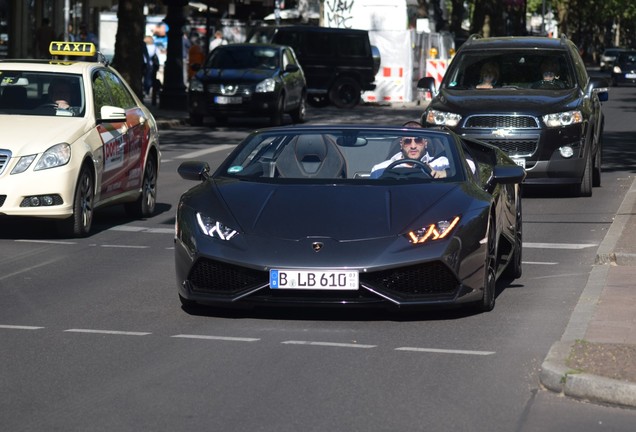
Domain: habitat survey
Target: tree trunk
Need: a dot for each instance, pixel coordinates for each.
(129, 43)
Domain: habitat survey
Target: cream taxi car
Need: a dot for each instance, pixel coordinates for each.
(73, 137)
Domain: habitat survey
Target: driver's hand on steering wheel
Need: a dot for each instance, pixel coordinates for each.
(438, 174)
(62, 104)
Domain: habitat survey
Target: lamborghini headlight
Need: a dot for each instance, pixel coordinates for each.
(565, 118)
(266, 86)
(442, 118)
(435, 231)
(214, 228)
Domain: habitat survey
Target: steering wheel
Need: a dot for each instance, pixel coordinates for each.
(426, 169)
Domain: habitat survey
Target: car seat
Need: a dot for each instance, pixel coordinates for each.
(14, 97)
(311, 156)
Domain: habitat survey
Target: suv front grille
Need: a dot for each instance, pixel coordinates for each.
(515, 147)
(502, 121)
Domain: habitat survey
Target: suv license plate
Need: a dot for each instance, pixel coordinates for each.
(226, 100)
(520, 162)
(314, 279)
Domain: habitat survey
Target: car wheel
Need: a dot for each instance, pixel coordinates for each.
(318, 101)
(79, 224)
(490, 278)
(585, 188)
(276, 119)
(145, 205)
(345, 93)
(298, 115)
(196, 120)
(514, 269)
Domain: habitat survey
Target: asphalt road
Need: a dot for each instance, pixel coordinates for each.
(93, 336)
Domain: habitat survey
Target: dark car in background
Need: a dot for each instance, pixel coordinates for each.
(607, 59)
(553, 128)
(253, 80)
(338, 63)
(624, 69)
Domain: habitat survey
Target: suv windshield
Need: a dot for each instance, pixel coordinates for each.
(518, 69)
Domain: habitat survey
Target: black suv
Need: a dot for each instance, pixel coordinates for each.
(338, 63)
(550, 124)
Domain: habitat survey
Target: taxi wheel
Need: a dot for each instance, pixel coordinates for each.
(79, 225)
(147, 201)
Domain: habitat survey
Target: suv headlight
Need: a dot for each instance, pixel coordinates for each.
(266, 86)
(565, 118)
(442, 118)
(196, 85)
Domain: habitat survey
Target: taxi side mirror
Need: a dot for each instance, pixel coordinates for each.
(112, 114)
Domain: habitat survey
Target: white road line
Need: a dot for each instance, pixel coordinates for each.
(28, 269)
(128, 228)
(19, 327)
(196, 154)
(446, 351)
(47, 241)
(223, 338)
(124, 246)
(111, 332)
(559, 245)
(331, 344)
(540, 263)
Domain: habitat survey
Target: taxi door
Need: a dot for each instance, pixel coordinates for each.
(122, 141)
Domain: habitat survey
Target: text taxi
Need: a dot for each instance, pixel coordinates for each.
(73, 137)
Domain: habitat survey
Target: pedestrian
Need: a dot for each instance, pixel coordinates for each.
(196, 56)
(44, 35)
(151, 64)
(218, 40)
(85, 35)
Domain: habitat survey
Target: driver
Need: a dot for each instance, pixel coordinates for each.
(60, 95)
(414, 148)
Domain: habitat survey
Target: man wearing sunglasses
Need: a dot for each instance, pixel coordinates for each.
(414, 148)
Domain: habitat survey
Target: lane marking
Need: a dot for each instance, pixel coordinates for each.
(19, 327)
(330, 344)
(446, 351)
(540, 263)
(223, 338)
(198, 153)
(125, 246)
(128, 228)
(111, 332)
(559, 245)
(28, 269)
(46, 242)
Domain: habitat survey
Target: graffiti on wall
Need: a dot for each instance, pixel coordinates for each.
(338, 13)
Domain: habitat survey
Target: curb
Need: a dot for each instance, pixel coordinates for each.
(557, 377)
(554, 374)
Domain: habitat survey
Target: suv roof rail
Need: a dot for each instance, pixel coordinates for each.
(472, 37)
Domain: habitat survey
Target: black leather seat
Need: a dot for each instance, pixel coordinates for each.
(311, 156)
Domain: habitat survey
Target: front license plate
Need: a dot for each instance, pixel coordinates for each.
(630, 76)
(520, 162)
(227, 100)
(314, 279)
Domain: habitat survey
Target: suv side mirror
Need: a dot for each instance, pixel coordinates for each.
(426, 84)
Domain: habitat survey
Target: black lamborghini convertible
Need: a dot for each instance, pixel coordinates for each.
(343, 216)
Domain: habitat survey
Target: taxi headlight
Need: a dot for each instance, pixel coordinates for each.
(565, 118)
(442, 118)
(214, 228)
(22, 165)
(435, 231)
(266, 86)
(55, 156)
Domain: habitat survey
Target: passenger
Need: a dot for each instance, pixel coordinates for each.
(549, 75)
(488, 76)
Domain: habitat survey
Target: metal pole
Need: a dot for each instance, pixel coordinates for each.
(543, 19)
(67, 11)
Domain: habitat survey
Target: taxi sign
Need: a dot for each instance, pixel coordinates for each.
(84, 49)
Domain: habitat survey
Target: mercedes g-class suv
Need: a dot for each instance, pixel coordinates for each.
(548, 121)
(338, 63)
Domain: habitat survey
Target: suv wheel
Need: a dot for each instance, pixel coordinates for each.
(345, 93)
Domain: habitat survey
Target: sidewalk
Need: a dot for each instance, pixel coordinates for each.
(601, 366)
(595, 359)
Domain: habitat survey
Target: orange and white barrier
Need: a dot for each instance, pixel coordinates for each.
(389, 86)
